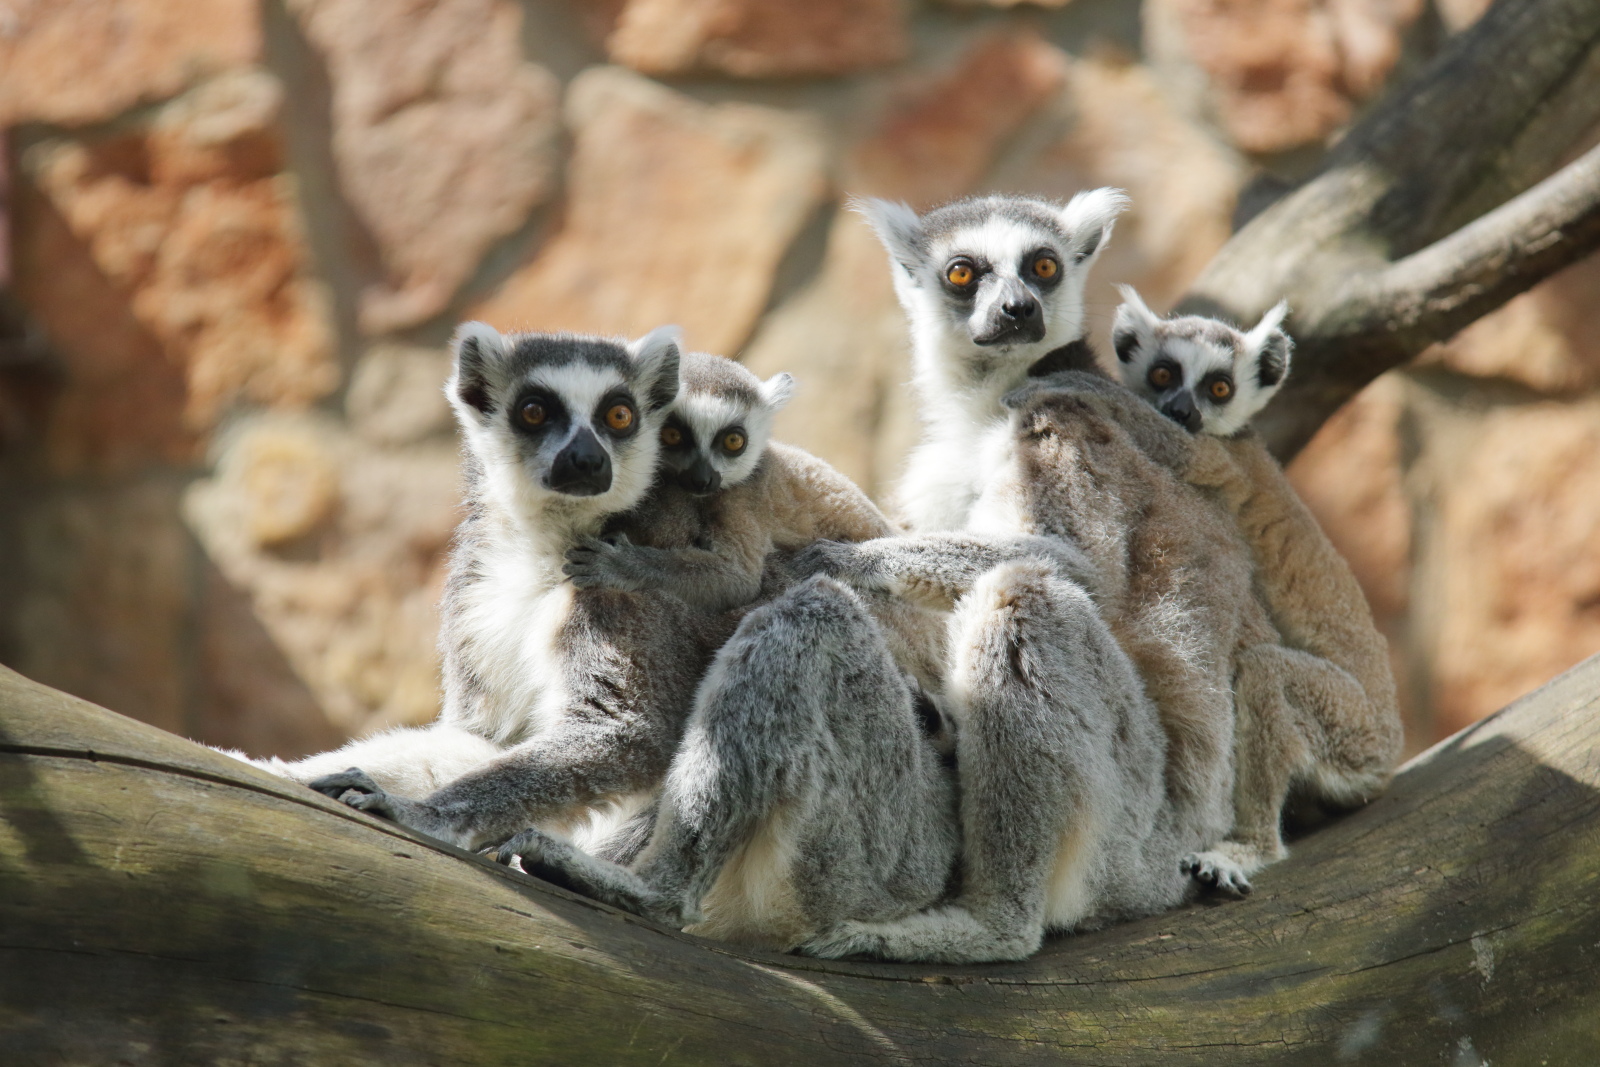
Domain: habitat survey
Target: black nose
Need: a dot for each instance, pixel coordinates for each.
(583, 468)
(1181, 410)
(700, 478)
(1020, 310)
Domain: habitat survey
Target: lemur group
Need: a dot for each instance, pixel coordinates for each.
(696, 674)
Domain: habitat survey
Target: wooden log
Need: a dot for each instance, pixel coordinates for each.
(162, 904)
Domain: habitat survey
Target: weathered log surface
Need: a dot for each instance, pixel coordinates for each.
(162, 904)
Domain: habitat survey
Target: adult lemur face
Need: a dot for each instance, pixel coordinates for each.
(564, 415)
(996, 273)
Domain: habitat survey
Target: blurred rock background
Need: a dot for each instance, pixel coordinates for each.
(238, 234)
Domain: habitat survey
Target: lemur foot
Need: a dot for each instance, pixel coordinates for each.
(601, 563)
(1217, 872)
(847, 938)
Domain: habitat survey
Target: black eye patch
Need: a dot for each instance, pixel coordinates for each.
(536, 412)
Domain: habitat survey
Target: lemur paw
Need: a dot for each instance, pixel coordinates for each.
(847, 938)
(1217, 872)
(355, 788)
(837, 559)
(596, 563)
(528, 846)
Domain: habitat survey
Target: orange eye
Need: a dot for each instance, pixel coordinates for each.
(671, 436)
(1221, 389)
(1046, 267)
(733, 441)
(619, 417)
(960, 274)
(1160, 377)
(532, 413)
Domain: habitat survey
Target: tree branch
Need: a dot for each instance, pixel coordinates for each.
(1493, 114)
(1387, 318)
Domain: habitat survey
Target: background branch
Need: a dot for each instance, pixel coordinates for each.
(1494, 113)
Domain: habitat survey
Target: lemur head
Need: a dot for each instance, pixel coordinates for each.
(992, 283)
(714, 436)
(1200, 372)
(562, 420)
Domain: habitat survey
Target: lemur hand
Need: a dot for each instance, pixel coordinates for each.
(357, 789)
(850, 563)
(606, 563)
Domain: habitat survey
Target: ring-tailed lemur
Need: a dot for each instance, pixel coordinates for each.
(556, 700)
(1317, 707)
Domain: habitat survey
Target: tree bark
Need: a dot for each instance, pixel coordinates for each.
(162, 904)
(1495, 113)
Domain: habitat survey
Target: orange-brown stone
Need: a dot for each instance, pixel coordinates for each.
(759, 38)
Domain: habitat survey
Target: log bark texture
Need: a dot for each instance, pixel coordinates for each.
(1436, 208)
(162, 904)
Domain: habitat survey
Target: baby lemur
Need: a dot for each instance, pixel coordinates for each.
(1317, 707)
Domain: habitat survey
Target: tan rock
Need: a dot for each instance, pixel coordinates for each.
(1457, 15)
(1276, 74)
(677, 212)
(396, 394)
(1113, 126)
(118, 403)
(289, 484)
(73, 62)
(444, 135)
(759, 38)
(944, 129)
(350, 600)
(1547, 339)
(190, 217)
(1514, 562)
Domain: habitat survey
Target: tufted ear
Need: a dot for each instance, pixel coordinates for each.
(656, 356)
(478, 349)
(777, 390)
(1089, 217)
(1134, 328)
(897, 226)
(1270, 346)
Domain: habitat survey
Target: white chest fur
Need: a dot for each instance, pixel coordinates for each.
(512, 619)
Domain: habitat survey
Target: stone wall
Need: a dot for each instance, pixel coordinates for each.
(240, 233)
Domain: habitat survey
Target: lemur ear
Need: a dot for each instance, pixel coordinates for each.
(897, 226)
(656, 354)
(478, 347)
(1089, 217)
(1271, 346)
(777, 390)
(1135, 325)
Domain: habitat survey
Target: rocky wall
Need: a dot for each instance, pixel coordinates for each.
(239, 238)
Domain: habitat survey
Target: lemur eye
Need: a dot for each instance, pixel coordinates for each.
(532, 413)
(960, 273)
(1221, 389)
(1046, 266)
(671, 436)
(733, 441)
(1160, 377)
(619, 417)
